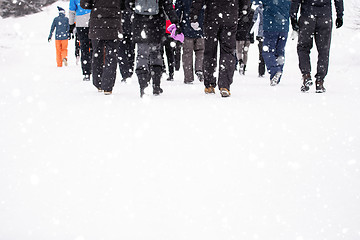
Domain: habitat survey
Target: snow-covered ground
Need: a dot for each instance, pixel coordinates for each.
(267, 163)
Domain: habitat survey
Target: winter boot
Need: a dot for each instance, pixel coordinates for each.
(244, 69)
(86, 77)
(224, 92)
(320, 86)
(275, 79)
(65, 62)
(157, 90)
(107, 92)
(307, 82)
(200, 75)
(171, 77)
(209, 90)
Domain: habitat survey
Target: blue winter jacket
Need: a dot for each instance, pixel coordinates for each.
(61, 24)
(182, 8)
(75, 6)
(276, 15)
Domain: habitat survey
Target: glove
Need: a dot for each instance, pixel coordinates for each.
(294, 24)
(49, 39)
(72, 26)
(294, 35)
(195, 26)
(339, 22)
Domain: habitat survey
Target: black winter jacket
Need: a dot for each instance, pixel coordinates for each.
(151, 28)
(319, 8)
(105, 18)
(245, 23)
(216, 11)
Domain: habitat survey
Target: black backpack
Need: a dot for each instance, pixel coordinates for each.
(147, 7)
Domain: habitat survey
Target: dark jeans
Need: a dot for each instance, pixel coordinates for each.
(274, 51)
(149, 63)
(261, 59)
(178, 56)
(86, 49)
(126, 56)
(104, 63)
(170, 45)
(223, 33)
(319, 28)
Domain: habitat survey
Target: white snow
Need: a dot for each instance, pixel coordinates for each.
(267, 163)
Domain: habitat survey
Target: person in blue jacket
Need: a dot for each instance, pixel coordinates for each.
(81, 17)
(276, 15)
(193, 42)
(61, 24)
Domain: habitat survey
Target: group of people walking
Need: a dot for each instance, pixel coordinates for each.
(109, 30)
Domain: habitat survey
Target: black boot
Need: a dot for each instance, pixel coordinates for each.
(307, 82)
(320, 86)
(157, 90)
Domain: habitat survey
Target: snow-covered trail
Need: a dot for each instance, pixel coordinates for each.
(267, 163)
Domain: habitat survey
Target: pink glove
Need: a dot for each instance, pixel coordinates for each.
(178, 37)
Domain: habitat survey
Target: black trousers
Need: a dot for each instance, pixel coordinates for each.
(104, 63)
(170, 45)
(225, 34)
(86, 49)
(261, 59)
(126, 56)
(149, 63)
(318, 28)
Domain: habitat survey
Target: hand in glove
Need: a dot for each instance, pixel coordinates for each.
(339, 22)
(72, 26)
(195, 26)
(49, 39)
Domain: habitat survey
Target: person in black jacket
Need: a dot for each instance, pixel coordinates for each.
(105, 32)
(148, 34)
(243, 36)
(315, 22)
(220, 24)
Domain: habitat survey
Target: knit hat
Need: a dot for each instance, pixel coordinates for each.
(61, 10)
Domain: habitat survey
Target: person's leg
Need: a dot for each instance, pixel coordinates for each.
(245, 51)
(58, 53)
(305, 43)
(199, 48)
(64, 49)
(269, 50)
(170, 50)
(109, 72)
(187, 58)
(261, 59)
(97, 62)
(210, 53)
(155, 64)
(280, 51)
(143, 64)
(123, 58)
(323, 31)
(177, 56)
(227, 55)
(85, 47)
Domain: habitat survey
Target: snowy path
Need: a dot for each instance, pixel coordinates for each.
(267, 163)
